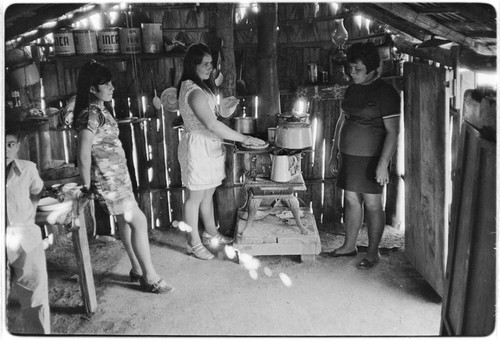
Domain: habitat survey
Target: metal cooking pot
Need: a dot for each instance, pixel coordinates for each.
(294, 135)
(245, 125)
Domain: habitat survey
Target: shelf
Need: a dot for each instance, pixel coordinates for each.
(120, 56)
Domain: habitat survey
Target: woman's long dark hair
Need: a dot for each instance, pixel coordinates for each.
(193, 57)
(91, 74)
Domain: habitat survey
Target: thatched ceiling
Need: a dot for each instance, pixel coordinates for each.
(471, 25)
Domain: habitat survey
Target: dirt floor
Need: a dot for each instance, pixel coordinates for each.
(283, 297)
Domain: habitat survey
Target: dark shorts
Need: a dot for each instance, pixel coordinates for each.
(357, 174)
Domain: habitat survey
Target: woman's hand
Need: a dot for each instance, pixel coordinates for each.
(228, 106)
(382, 174)
(253, 141)
(334, 163)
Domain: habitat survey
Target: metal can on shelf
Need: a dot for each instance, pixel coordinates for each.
(108, 41)
(152, 38)
(313, 72)
(130, 40)
(64, 43)
(85, 41)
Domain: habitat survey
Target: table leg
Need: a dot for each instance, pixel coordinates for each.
(82, 253)
(252, 208)
(293, 203)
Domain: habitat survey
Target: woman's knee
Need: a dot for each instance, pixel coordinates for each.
(134, 218)
(352, 199)
(373, 203)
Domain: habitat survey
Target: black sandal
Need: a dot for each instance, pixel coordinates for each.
(134, 276)
(158, 287)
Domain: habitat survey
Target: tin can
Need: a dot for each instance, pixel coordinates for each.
(152, 38)
(130, 40)
(108, 41)
(313, 72)
(324, 76)
(64, 44)
(85, 41)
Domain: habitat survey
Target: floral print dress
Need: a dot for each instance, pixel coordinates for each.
(109, 172)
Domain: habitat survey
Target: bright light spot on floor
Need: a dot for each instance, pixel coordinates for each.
(185, 227)
(285, 279)
(214, 242)
(268, 271)
(230, 252)
(253, 274)
(244, 258)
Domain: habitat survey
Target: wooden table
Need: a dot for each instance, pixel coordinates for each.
(271, 235)
(81, 214)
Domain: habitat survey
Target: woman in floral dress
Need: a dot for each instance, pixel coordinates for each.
(103, 167)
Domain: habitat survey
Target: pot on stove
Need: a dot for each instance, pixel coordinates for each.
(294, 135)
(245, 125)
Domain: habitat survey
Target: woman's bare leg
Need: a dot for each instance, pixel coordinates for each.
(190, 213)
(375, 220)
(353, 220)
(137, 223)
(207, 212)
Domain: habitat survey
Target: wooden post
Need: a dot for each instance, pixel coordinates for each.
(267, 70)
(225, 200)
(82, 212)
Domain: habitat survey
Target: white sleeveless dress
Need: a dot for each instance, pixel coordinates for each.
(201, 154)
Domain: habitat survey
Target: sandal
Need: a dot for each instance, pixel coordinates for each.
(199, 251)
(134, 276)
(367, 264)
(218, 239)
(158, 287)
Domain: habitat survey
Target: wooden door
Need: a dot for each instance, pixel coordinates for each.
(425, 116)
(469, 297)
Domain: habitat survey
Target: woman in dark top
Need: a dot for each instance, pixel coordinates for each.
(365, 140)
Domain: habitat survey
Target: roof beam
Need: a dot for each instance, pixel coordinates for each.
(26, 39)
(376, 14)
(433, 26)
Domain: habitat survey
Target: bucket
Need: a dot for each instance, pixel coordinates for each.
(152, 38)
(108, 41)
(64, 44)
(16, 57)
(26, 75)
(130, 40)
(85, 41)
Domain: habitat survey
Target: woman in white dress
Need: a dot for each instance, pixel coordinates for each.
(201, 153)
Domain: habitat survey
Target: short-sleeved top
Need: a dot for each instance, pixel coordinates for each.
(109, 172)
(365, 108)
(23, 182)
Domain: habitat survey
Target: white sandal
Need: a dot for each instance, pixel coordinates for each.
(199, 251)
(218, 239)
